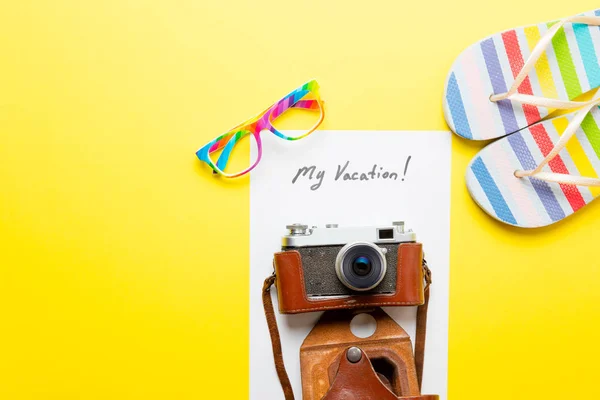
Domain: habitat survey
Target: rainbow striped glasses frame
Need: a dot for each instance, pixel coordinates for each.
(217, 152)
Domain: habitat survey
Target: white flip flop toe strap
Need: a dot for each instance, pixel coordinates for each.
(536, 53)
(562, 142)
(566, 179)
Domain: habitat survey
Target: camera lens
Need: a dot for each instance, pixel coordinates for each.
(360, 266)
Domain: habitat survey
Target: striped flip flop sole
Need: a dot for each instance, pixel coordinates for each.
(567, 69)
(528, 202)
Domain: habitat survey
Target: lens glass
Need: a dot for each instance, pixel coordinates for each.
(300, 118)
(237, 153)
(361, 266)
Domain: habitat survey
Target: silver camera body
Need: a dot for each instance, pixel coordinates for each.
(342, 261)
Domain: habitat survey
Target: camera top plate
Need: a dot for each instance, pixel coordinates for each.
(302, 236)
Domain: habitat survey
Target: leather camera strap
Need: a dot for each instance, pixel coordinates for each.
(275, 339)
(421, 333)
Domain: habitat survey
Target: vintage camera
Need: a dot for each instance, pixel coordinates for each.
(351, 267)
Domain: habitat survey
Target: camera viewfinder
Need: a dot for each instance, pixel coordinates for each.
(386, 233)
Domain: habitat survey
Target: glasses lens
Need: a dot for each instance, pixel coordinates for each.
(299, 119)
(236, 153)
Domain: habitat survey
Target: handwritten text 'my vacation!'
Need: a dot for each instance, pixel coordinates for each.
(344, 173)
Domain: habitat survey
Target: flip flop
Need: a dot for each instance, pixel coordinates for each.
(491, 91)
(532, 178)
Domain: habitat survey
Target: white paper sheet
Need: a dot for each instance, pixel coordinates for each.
(368, 195)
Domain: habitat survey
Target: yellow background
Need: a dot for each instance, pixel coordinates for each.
(124, 263)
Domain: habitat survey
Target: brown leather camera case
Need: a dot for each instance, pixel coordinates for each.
(291, 291)
(327, 374)
(359, 381)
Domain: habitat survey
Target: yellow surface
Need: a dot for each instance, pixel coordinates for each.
(123, 263)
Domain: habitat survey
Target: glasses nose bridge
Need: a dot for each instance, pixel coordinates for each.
(261, 124)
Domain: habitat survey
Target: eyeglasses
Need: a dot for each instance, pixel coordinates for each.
(217, 153)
